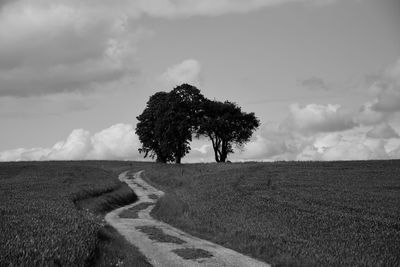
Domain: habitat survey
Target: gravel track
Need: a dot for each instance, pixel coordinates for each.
(163, 244)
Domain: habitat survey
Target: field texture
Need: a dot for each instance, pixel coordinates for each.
(288, 214)
(51, 214)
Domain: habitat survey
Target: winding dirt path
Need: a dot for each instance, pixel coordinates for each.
(162, 244)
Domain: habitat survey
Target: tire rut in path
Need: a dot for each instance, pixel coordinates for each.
(161, 243)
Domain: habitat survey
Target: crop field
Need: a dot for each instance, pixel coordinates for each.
(285, 213)
(51, 213)
(288, 213)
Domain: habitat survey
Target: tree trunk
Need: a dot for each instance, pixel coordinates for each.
(224, 152)
(178, 160)
(215, 147)
(223, 157)
(216, 154)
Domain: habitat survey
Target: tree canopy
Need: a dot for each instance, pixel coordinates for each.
(169, 121)
(226, 125)
(150, 128)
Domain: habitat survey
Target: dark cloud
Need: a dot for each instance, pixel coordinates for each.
(387, 90)
(27, 82)
(388, 100)
(368, 116)
(382, 131)
(5, 2)
(27, 108)
(57, 48)
(53, 46)
(314, 83)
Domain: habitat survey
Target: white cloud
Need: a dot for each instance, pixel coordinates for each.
(322, 132)
(118, 142)
(325, 132)
(394, 150)
(188, 71)
(355, 149)
(272, 142)
(76, 146)
(314, 118)
(24, 154)
(351, 144)
(203, 149)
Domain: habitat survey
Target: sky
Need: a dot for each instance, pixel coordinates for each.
(323, 76)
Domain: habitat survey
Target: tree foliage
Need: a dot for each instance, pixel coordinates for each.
(168, 123)
(226, 125)
(150, 128)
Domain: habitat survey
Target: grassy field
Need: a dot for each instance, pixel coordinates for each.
(288, 214)
(51, 213)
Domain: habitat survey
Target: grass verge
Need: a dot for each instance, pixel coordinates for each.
(113, 250)
(40, 223)
(117, 196)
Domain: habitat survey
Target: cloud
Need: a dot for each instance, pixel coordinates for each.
(395, 151)
(384, 131)
(118, 142)
(351, 151)
(315, 118)
(272, 142)
(325, 132)
(4, 2)
(53, 46)
(201, 151)
(354, 146)
(59, 46)
(388, 100)
(368, 116)
(314, 84)
(49, 105)
(351, 144)
(187, 8)
(76, 146)
(24, 154)
(188, 71)
(386, 88)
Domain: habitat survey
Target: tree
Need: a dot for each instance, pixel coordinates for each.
(150, 130)
(183, 118)
(166, 126)
(226, 125)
